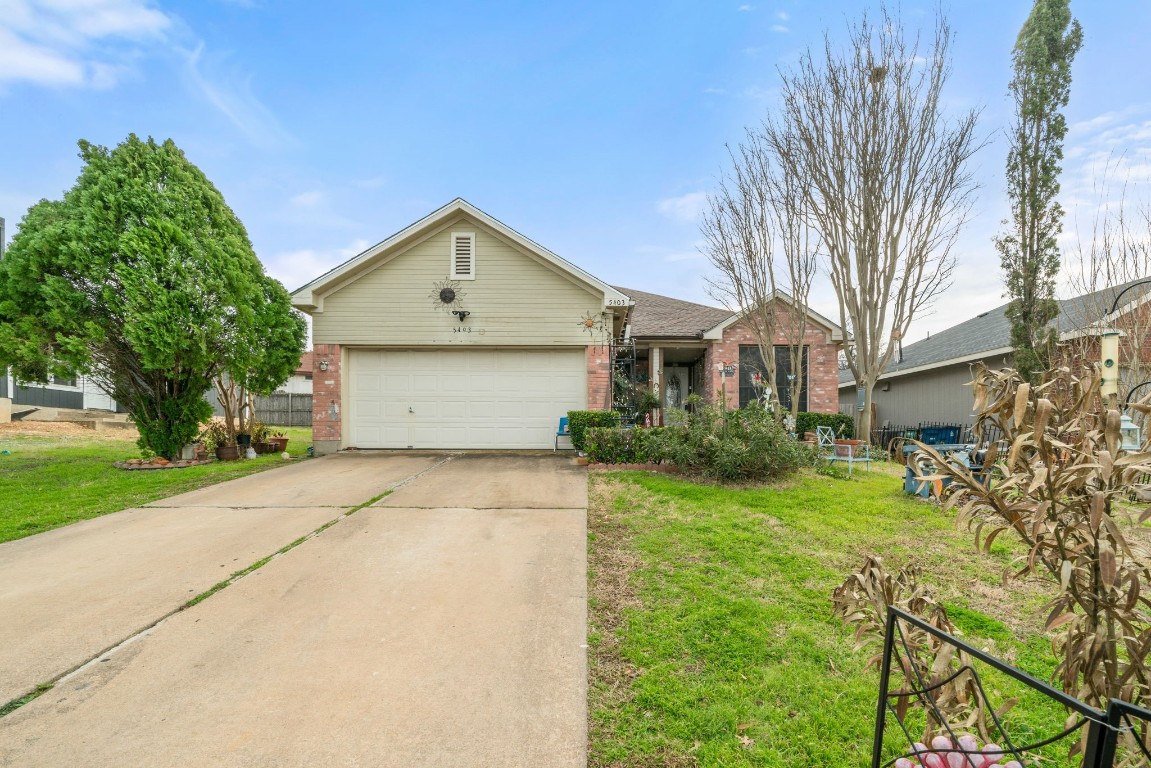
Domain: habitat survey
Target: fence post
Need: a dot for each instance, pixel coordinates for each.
(884, 682)
(1102, 739)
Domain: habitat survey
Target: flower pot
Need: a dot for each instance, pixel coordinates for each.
(243, 440)
(279, 444)
(262, 448)
(228, 452)
(188, 452)
(847, 447)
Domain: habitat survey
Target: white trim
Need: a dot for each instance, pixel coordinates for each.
(715, 333)
(62, 387)
(310, 297)
(931, 366)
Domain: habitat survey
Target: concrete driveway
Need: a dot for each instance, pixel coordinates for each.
(440, 626)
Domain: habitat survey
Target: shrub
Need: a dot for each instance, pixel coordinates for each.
(841, 424)
(731, 445)
(613, 445)
(580, 421)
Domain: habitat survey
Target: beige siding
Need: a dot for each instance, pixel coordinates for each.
(515, 299)
(940, 394)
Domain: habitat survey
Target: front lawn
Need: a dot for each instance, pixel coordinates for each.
(50, 481)
(711, 635)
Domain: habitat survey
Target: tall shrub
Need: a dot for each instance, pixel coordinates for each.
(744, 444)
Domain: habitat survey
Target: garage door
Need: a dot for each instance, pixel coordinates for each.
(462, 398)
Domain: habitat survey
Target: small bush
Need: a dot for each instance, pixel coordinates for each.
(841, 424)
(623, 446)
(731, 445)
(580, 421)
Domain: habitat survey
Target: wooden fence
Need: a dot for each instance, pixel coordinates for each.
(280, 409)
(284, 409)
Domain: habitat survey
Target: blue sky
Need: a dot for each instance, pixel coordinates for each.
(595, 128)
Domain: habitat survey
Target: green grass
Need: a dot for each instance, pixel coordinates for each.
(50, 482)
(712, 640)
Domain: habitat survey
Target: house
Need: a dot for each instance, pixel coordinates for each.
(77, 393)
(928, 380)
(459, 332)
(300, 382)
(689, 344)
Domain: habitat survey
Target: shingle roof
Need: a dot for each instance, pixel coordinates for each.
(655, 316)
(991, 330)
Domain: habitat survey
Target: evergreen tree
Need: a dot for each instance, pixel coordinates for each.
(1029, 250)
(143, 278)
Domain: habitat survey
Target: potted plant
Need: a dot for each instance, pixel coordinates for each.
(280, 441)
(215, 438)
(260, 437)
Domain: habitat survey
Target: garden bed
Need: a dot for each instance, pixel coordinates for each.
(141, 464)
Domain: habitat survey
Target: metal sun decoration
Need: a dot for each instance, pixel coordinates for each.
(595, 326)
(447, 294)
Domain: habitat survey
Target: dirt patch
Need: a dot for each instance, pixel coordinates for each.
(670, 469)
(612, 560)
(62, 429)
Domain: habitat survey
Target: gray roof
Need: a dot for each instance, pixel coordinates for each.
(991, 330)
(655, 316)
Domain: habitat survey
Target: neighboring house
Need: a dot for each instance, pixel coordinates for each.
(459, 332)
(928, 381)
(79, 393)
(300, 382)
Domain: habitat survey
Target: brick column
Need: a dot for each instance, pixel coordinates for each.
(326, 398)
(598, 378)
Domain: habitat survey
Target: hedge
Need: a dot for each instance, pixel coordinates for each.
(614, 445)
(841, 424)
(580, 421)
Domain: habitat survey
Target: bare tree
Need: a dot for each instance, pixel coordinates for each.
(1117, 256)
(800, 245)
(756, 214)
(885, 177)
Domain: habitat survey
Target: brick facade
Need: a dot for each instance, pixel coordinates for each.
(598, 378)
(822, 366)
(326, 404)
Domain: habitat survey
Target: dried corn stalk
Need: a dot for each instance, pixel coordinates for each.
(862, 600)
(1060, 483)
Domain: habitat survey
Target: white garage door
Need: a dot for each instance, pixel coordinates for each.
(462, 398)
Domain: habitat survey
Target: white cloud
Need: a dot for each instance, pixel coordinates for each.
(744, 8)
(75, 43)
(231, 94)
(683, 208)
(782, 16)
(308, 199)
(296, 269)
(779, 28)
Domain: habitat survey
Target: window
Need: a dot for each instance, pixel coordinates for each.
(63, 381)
(463, 256)
(751, 364)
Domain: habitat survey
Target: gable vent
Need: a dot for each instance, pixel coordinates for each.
(463, 256)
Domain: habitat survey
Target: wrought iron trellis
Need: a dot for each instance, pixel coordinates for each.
(1103, 727)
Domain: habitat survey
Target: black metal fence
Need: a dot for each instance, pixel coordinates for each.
(932, 433)
(1111, 737)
